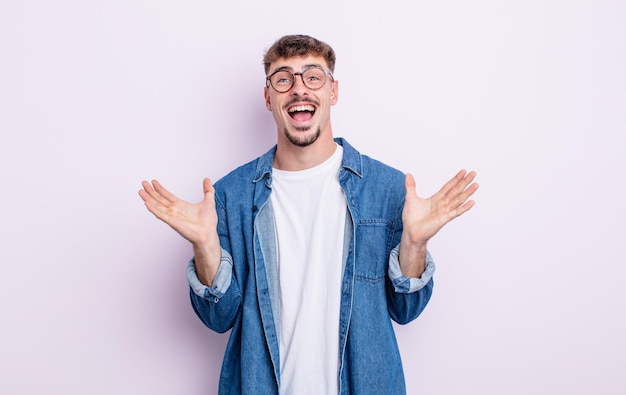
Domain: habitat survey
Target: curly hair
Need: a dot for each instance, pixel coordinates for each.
(298, 45)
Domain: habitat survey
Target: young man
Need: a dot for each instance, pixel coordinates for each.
(308, 252)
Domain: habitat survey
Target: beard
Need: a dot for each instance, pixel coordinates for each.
(304, 140)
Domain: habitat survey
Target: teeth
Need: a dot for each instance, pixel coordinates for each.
(301, 108)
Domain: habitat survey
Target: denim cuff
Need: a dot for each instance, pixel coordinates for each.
(403, 284)
(221, 282)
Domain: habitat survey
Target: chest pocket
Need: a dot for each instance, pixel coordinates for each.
(372, 250)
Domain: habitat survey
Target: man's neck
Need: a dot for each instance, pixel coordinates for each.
(290, 157)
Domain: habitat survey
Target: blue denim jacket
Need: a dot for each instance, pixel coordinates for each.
(244, 295)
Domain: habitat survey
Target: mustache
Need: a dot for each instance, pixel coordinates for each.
(301, 100)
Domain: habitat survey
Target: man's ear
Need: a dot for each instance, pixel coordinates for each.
(266, 94)
(334, 93)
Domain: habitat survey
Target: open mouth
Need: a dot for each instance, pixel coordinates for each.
(301, 113)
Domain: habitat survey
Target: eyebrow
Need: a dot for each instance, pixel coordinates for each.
(287, 68)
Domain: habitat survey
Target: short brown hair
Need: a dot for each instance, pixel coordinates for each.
(298, 45)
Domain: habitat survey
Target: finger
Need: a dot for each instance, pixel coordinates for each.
(153, 195)
(469, 177)
(447, 187)
(209, 192)
(143, 192)
(461, 183)
(207, 186)
(409, 185)
(156, 208)
(147, 187)
(149, 194)
(164, 193)
(462, 197)
(153, 205)
(462, 209)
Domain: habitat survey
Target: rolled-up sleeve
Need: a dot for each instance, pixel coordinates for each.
(221, 283)
(403, 284)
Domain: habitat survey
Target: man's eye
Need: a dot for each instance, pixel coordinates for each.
(282, 78)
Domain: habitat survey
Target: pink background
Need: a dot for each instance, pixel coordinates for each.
(96, 96)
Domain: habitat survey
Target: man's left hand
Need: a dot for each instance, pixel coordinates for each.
(423, 218)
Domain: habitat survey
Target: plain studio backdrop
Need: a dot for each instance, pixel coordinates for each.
(96, 96)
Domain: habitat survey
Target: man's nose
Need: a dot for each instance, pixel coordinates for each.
(299, 87)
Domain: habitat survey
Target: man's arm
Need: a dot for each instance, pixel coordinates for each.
(195, 222)
(423, 218)
(210, 273)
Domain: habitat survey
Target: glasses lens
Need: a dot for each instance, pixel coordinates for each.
(314, 78)
(282, 81)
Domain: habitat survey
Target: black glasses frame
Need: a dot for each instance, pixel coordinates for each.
(268, 81)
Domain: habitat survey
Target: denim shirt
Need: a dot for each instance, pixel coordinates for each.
(244, 295)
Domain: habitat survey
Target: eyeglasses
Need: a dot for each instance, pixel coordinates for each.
(313, 78)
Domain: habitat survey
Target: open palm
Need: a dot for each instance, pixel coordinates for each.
(195, 222)
(423, 218)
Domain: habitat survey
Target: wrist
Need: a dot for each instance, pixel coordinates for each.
(207, 257)
(412, 257)
(413, 244)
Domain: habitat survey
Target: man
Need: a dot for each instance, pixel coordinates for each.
(308, 252)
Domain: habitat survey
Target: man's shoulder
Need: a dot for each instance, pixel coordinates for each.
(359, 162)
(371, 174)
(245, 169)
(382, 177)
(380, 166)
(247, 173)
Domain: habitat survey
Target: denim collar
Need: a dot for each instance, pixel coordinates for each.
(351, 161)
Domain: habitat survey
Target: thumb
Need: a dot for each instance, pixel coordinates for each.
(207, 188)
(409, 185)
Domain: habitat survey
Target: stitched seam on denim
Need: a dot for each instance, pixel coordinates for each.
(370, 280)
(375, 222)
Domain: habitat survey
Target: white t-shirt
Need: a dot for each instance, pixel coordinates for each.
(310, 211)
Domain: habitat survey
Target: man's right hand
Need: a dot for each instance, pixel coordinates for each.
(195, 222)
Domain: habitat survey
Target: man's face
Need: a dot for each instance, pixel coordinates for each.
(301, 114)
